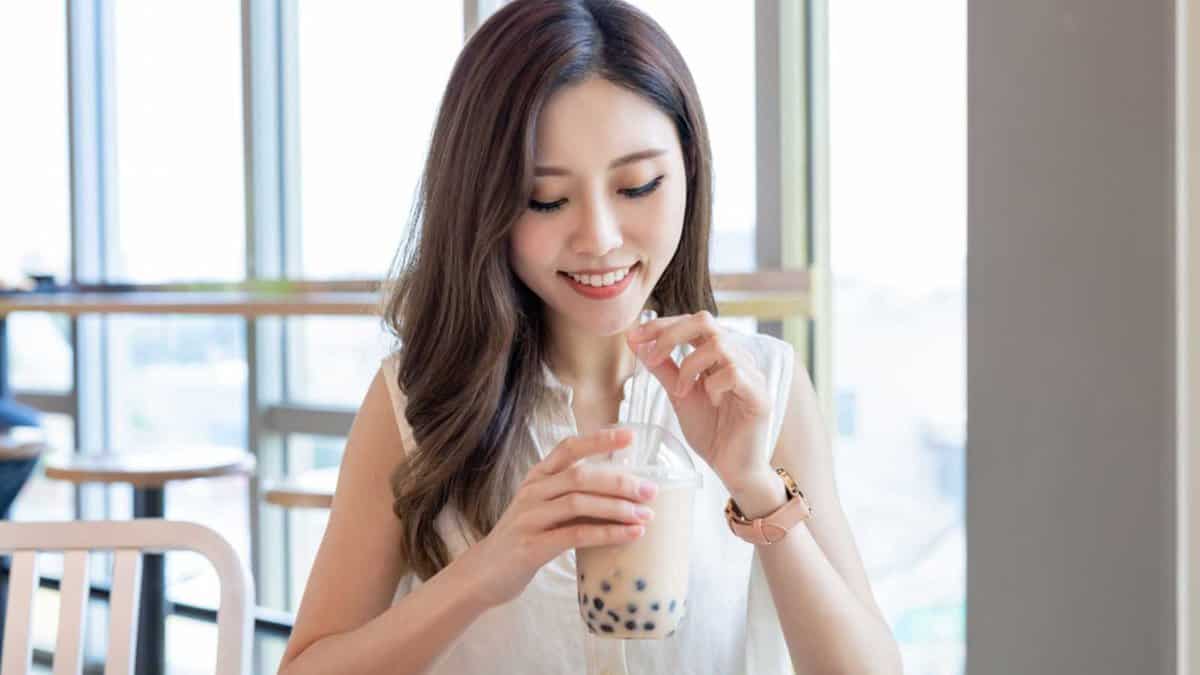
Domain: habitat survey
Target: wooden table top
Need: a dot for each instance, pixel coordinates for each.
(22, 443)
(150, 468)
(236, 303)
(311, 489)
(761, 304)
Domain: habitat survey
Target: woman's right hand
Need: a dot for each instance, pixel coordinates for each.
(562, 503)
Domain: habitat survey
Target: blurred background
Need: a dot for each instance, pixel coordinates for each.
(128, 154)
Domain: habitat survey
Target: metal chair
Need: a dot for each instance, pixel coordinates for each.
(128, 540)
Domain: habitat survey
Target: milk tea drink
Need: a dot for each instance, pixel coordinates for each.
(638, 590)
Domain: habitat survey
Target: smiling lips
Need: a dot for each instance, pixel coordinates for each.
(607, 279)
(600, 286)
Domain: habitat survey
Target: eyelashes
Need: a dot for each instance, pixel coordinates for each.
(632, 193)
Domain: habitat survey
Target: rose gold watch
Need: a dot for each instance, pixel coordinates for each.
(775, 525)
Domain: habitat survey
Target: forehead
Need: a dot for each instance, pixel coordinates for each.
(587, 125)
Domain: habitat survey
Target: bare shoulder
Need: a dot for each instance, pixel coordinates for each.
(357, 567)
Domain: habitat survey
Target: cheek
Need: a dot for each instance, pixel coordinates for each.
(669, 219)
(533, 244)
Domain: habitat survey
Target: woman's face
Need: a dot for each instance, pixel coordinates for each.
(608, 200)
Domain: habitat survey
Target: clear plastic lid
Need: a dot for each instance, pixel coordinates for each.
(654, 453)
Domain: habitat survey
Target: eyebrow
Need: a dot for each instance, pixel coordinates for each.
(620, 161)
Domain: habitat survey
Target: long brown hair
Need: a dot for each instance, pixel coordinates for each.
(470, 333)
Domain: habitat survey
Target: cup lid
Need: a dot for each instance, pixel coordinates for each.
(654, 453)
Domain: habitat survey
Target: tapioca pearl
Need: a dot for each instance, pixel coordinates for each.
(649, 625)
(605, 586)
(597, 603)
(585, 598)
(670, 634)
(615, 617)
(630, 625)
(591, 627)
(632, 608)
(606, 628)
(654, 606)
(671, 607)
(591, 614)
(640, 584)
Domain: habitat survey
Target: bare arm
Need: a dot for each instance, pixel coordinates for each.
(829, 616)
(345, 623)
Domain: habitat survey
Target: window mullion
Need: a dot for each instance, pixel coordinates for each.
(263, 123)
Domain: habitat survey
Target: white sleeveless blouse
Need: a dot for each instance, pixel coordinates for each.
(731, 626)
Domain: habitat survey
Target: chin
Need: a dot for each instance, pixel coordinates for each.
(602, 323)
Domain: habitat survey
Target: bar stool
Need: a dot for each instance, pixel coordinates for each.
(148, 473)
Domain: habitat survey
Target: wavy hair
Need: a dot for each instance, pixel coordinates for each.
(470, 334)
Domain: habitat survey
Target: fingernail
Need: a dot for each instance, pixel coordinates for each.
(647, 489)
(643, 512)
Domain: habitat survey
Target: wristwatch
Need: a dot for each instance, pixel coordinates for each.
(775, 525)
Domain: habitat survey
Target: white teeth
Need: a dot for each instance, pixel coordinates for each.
(599, 280)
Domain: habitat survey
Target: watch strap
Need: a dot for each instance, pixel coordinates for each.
(774, 526)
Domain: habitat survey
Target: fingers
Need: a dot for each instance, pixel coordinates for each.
(694, 329)
(601, 480)
(585, 535)
(721, 382)
(576, 448)
(587, 508)
(708, 358)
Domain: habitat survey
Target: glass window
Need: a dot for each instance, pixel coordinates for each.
(371, 76)
(334, 358)
(725, 78)
(897, 113)
(34, 186)
(176, 381)
(40, 350)
(307, 526)
(180, 212)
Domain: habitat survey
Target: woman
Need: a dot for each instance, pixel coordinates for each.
(567, 188)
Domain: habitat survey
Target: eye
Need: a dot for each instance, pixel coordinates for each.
(632, 193)
(543, 207)
(643, 190)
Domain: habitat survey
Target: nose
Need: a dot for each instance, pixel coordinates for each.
(598, 230)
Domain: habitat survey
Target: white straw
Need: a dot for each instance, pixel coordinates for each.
(646, 316)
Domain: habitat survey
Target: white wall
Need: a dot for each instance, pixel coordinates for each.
(1071, 357)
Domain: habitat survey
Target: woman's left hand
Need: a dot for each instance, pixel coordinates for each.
(718, 392)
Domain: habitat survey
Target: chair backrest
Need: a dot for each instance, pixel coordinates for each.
(128, 540)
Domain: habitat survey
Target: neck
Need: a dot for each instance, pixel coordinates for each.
(595, 366)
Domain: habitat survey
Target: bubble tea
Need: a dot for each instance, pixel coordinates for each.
(638, 589)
